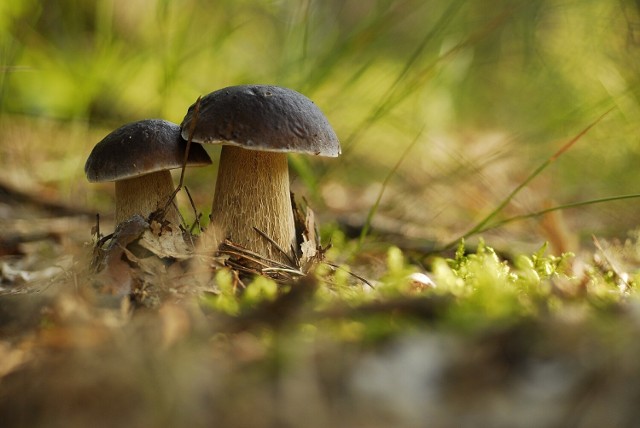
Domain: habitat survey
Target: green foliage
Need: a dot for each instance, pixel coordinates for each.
(231, 300)
(396, 280)
(490, 290)
(381, 70)
(470, 292)
(540, 267)
(261, 289)
(226, 301)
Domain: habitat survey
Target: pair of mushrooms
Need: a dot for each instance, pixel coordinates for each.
(257, 125)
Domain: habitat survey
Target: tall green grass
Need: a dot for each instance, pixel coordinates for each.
(381, 70)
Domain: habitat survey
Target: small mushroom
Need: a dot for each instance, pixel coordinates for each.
(257, 125)
(138, 157)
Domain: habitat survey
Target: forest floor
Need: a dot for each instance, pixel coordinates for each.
(315, 353)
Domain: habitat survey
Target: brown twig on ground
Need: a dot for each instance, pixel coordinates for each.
(276, 246)
(248, 262)
(15, 196)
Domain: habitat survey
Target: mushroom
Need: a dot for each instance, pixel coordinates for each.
(257, 125)
(138, 157)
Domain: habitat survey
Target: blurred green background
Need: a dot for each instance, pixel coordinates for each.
(486, 90)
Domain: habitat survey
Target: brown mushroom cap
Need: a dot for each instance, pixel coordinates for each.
(140, 148)
(262, 117)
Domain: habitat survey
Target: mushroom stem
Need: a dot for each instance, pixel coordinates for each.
(252, 190)
(145, 194)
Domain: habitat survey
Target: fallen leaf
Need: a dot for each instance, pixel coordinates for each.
(168, 244)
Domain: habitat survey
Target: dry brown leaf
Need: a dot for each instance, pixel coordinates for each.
(168, 244)
(11, 358)
(309, 245)
(114, 274)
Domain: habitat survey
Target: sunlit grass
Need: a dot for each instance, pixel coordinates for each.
(495, 91)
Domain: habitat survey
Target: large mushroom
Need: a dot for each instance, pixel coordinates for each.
(138, 157)
(257, 125)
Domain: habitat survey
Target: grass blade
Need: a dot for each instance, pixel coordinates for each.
(481, 226)
(558, 208)
(376, 204)
(386, 102)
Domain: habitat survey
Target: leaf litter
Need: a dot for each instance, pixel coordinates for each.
(134, 336)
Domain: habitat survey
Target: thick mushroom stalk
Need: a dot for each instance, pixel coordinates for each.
(257, 125)
(252, 190)
(145, 194)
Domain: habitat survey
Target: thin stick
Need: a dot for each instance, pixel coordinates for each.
(104, 239)
(286, 270)
(275, 244)
(358, 277)
(196, 223)
(192, 128)
(250, 255)
(195, 210)
(98, 226)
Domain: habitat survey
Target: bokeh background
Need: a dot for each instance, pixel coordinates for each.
(443, 107)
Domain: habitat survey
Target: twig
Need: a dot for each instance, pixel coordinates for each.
(195, 210)
(104, 239)
(249, 255)
(97, 227)
(12, 195)
(286, 270)
(244, 256)
(196, 223)
(192, 128)
(275, 244)
(358, 277)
